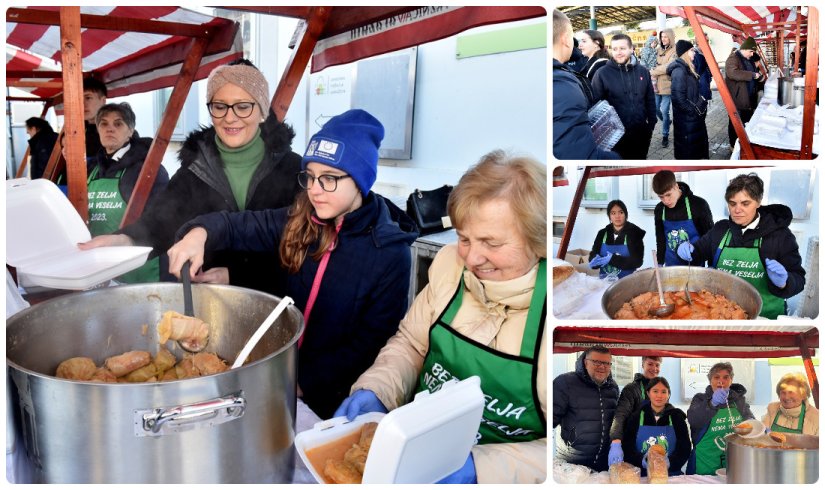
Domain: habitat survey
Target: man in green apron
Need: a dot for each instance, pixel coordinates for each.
(631, 399)
(755, 244)
(712, 415)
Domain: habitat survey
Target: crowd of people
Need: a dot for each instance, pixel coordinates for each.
(601, 425)
(754, 243)
(669, 73)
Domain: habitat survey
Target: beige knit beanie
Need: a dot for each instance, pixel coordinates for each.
(247, 77)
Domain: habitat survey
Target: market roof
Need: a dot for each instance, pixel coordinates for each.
(608, 16)
(734, 20)
(130, 49)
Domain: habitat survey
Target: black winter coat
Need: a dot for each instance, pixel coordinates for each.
(669, 415)
(629, 90)
(40, 149)
(585, 412)
(635, 244)
(699, 209)
(592, 67)
(131, 163)
(572, 137)
(630, 400)
(778, 243)
(363, 293)
(690, 134)
(200, 186)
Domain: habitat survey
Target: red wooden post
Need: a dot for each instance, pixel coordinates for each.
(170, 116)
(809, 366)
(811, 73)
(574, 212)
(299, 60)
(73, 109)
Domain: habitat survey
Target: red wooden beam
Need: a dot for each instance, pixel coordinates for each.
(805, 349)
(688, 337)
(33, 74)
(811, 74)
(73, 109)
(153, 160)
(744, 142)
(296, 66)
(109, 23)
(25, 99)
(574, 212)
(644, 170)
(31, 84)
(718, 17)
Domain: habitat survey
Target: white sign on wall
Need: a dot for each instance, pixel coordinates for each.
(695, 375)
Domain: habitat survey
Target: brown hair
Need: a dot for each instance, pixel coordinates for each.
(662, 181)
(300, 232)
(560, 23)
(521, 181)
(654, 358)
(750, 183)
(598, 38)
(619, 37)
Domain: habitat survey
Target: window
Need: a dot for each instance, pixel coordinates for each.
(600, 191)
(162, 97)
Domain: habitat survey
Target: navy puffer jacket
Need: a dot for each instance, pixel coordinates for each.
(585, 412)
(690, 140)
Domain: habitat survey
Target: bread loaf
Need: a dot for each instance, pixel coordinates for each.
(562, 272)
(657, 464)
(624, 473)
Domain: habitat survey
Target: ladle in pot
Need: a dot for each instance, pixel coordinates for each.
(663, 309)
(268, 321)
(188, 308)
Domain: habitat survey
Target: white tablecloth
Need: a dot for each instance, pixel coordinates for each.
(778, 127)
(579, 297)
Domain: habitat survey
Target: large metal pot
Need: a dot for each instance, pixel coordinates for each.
(673, 279)
(232, 427)
(797, 463)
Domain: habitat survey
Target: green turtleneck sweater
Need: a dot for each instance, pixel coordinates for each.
(239, 164)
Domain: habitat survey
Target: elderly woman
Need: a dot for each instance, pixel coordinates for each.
(619, 247)
(113, 177)
(657, 422)
(243, 161)
(754, 244)
(711, 416)
(346, 250)
(792, 413)
(484, 304)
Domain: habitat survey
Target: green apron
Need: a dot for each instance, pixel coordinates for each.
(778, 428)
(511, 406)
(745, 262)
(710, 450)
(106, 210)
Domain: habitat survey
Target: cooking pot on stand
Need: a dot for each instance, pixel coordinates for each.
(796, 462)
(673, 279)
(232, 427)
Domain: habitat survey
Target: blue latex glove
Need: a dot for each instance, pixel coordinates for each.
(600, 260)
(776, 273)
(360, 402)
(465, 474)
(685, 251)
(616, 455)
(720, 397)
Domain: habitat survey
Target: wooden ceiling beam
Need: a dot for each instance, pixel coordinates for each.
(109, 23)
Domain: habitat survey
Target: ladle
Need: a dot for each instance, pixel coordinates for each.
(687, 291)
(188, 308)
(268, 321)
(663, 309)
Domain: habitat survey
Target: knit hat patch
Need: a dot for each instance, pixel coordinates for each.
(349, 142)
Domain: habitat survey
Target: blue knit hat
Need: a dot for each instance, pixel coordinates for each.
(348, 142)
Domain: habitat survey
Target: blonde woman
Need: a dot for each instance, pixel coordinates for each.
(792, 413)
(690, 141)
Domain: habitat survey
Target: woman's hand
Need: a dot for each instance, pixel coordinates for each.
(190, 247)
(215, 275)
(107, 241)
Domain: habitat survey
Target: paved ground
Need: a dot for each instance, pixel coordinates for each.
(717, 122)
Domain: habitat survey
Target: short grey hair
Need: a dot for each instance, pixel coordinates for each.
(720, 366)
(123, 109)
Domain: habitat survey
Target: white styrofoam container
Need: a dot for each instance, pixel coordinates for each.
(42, 233)
(421, 442)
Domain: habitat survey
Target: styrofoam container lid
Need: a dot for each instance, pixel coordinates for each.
(42, 233)
(420, 442)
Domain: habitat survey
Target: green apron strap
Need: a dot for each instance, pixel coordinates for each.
(687, 205)
(529, 338)
(455, 303)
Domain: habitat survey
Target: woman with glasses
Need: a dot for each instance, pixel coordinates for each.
(243, 161)
(346, 251)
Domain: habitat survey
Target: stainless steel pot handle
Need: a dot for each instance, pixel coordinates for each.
(155, 422)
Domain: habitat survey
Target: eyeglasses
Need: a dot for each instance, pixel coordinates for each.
(600, 363)
(241, 109)
(328, 183)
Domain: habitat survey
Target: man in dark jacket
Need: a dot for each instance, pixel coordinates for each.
(41, 142)
(680, 215)
(572, 136)
(584, 402)
(711, 417)
(630, 400)
(627, 87)
(755, 244)
(741, 76)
